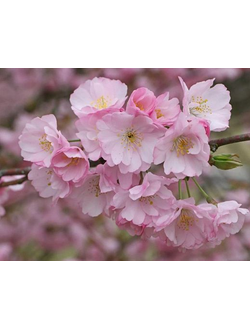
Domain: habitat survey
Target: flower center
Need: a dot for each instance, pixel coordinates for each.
(74, 162)
(140, 106)
(93, 186)
(147, 200)
(45, 144)
(202, 106)
(181, 145)
(101, 103)
(158, 113)
(131, 138)
(186, 220)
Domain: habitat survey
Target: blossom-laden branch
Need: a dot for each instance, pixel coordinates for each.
(215, 144)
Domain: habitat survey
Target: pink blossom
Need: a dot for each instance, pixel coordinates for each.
(166, 111)
(189, 227)
(229, 219)
(92, 201)
(129, 226)
(184, 149)
(208, 103)
(144, 203)
(40, 140)
(48, 183)
(71, 164)
(88, 132)
(141, 101)
(98, 94)
(112, 179)
(128, 141)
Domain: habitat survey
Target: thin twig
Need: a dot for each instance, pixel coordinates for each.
(13, 182)
(15, 171)
(215, 144)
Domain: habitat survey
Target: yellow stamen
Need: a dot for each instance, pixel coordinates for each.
(158, 113)
(147, 200)
(186, 220)
(202, 106)
(182, 145)
(45, 144)
(74, 162)
(140, 106)
(101, 103)
(131, 139)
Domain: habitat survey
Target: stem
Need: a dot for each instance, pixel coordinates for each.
(13, 182)
(71, 141)
(208, 198)
(179, 189)
(215, 144)
(187, 187)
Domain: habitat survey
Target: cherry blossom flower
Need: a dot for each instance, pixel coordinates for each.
(112, 179)
(71, 164)
(210, 103)
(143, 203)
(141, 101)
(229, 219)
(89, 196)
(128, 141)
(166, 110)
(48, 183)
(184, 149)
(40, 140)
(98, 94)
(189, 227)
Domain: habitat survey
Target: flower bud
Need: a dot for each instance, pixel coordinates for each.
(225, 161)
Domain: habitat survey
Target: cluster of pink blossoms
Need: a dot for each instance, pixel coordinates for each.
(111, 171)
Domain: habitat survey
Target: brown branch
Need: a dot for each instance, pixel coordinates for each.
(215, 144)
(15, 171)
(13, 182)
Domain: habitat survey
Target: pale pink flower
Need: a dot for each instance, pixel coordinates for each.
(98, 94)
(112, 179)
(189, 226)
(88, 132)
(89, 196)
(229, 218)
(130, 227)
(184, 149)
(128, 141)
(40, 140)
(146, 202)
(71, 164)
(208, 103)
(48, 183)
(166, 110)
(141, 101)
